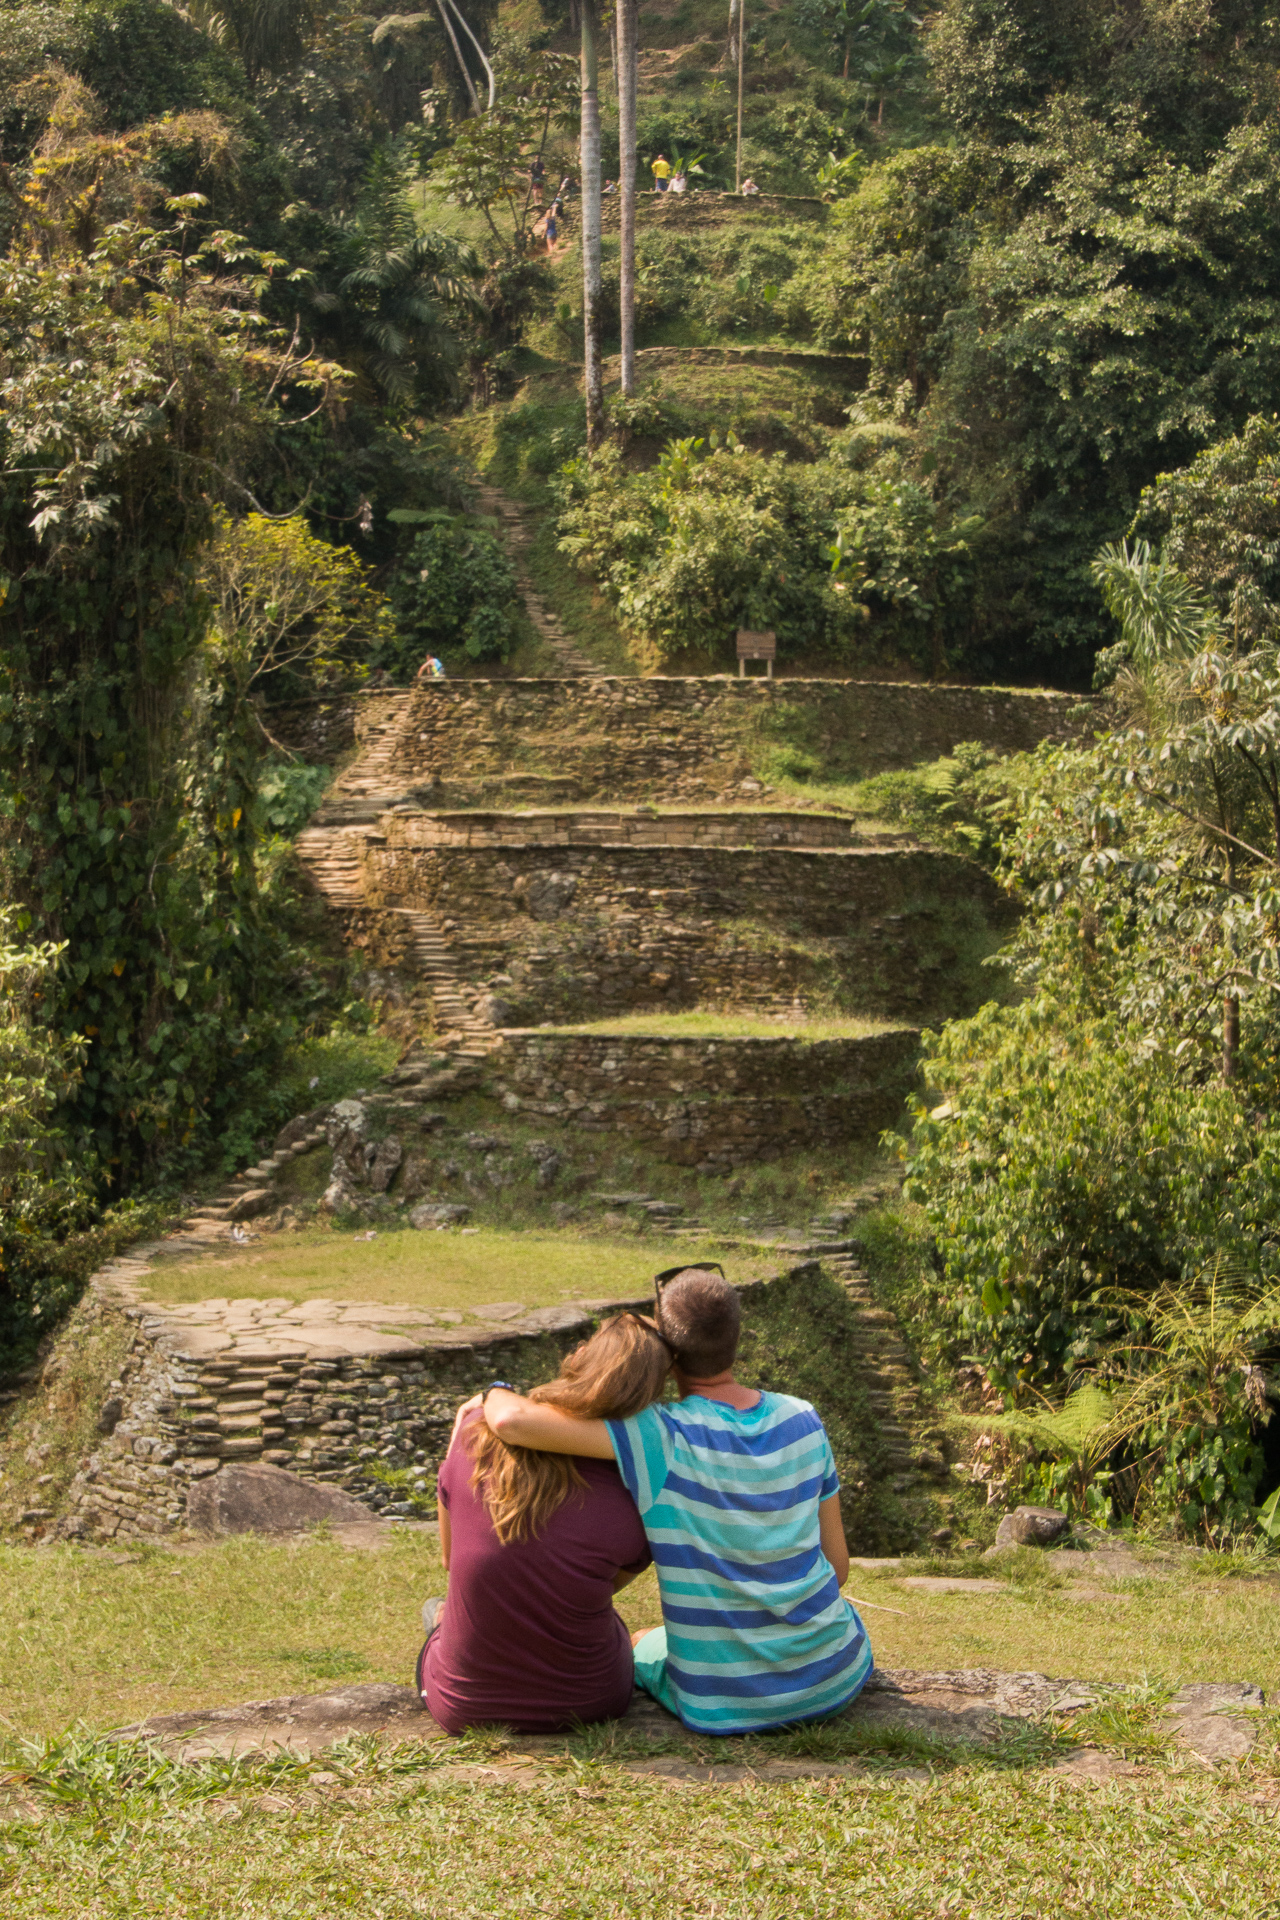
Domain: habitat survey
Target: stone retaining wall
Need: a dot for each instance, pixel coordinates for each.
(639, 736)
(561, 932)
(638, 827)
(467, 741)
(690, 211)
(339, 1420)
(711, 1103)
(821, 891)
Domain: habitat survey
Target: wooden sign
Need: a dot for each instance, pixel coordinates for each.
(756, 646)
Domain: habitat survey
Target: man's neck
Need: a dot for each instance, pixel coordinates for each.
(720, 1386)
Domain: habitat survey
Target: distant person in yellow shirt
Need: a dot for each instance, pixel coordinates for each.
(661, 171)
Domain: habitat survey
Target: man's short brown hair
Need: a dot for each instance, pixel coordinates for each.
(701, 1315)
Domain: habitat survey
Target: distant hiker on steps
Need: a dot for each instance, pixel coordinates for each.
(431, 669)
(661, 171)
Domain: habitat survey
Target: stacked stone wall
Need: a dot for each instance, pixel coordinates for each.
(809, 890)
(467, 741)
(342, 1420)
(559, 931)
(711, 1103)
(638, 827)
(688, 212)
(637, 736)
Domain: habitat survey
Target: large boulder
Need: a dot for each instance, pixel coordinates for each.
(259, 1499)
(381, 1162)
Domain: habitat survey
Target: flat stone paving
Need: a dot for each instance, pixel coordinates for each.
(319, 1329)
(1212, 1722)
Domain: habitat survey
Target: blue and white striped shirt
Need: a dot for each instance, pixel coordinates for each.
(757, 1634)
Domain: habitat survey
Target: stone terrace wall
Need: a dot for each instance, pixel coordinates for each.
(640, 827)
(643, 737)
(770, 1096)
(689, 211)
(564, 932)
(335, 1420)
(806, 890)
(665, 738)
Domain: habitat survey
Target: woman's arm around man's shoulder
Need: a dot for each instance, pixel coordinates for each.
(527, 1423)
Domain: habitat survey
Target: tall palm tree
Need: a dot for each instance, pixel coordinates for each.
(268, 34)
(627, 187)
(392, 291)
(592, 284)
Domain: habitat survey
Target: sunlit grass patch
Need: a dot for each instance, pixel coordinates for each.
(449, 1270)
(333, 1067)
(708, 1024)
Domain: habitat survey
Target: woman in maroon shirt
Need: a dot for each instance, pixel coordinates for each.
(536, 1545)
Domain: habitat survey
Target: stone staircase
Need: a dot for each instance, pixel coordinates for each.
(332, 856)
(885, 1361)
(455, 1015)
(514, 521)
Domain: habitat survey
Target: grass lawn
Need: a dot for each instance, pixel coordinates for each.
(408, 1839)
(335, 1066)
(700, 1025)
(86, 1831)
(449, 1269)
(105, 1638)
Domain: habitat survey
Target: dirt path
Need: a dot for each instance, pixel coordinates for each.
(517, 536)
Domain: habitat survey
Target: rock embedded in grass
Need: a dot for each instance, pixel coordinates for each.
(1030, 1527)
(435, 1214)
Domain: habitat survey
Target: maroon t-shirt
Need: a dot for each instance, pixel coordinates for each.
(528, 1635)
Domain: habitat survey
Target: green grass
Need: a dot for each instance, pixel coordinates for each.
(416, 1833)
(705, 1025)
(45, 1436)
(106, 1637)
(449, 1270)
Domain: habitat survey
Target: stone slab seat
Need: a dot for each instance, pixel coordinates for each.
(971, 1705)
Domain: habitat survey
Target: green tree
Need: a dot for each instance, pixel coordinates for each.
(43, 1193)
(139, 385)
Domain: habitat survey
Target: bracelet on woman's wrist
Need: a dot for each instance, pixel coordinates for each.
(497, 1383)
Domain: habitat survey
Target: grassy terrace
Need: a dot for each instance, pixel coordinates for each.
(450, 1270)
(705, 1025)
(108, 1637)
(455, 1829)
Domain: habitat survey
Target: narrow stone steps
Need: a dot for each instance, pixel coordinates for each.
(513, 521)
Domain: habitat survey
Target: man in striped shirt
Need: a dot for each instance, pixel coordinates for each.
(738, 1494)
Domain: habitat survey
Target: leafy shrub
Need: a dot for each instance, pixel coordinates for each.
(289, 791)
(709, 540)
(44, 1194)
(1057, 1168)
(454, 589)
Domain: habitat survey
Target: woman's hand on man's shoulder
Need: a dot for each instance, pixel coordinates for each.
(474, 1405)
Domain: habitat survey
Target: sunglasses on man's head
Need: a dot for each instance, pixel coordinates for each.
(661, 1280)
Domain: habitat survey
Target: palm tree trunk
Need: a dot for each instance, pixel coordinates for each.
(593, 371)
(453, 42)
(627, 187)
(742, 63)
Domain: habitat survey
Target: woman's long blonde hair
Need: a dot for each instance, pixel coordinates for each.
(618, 1371)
